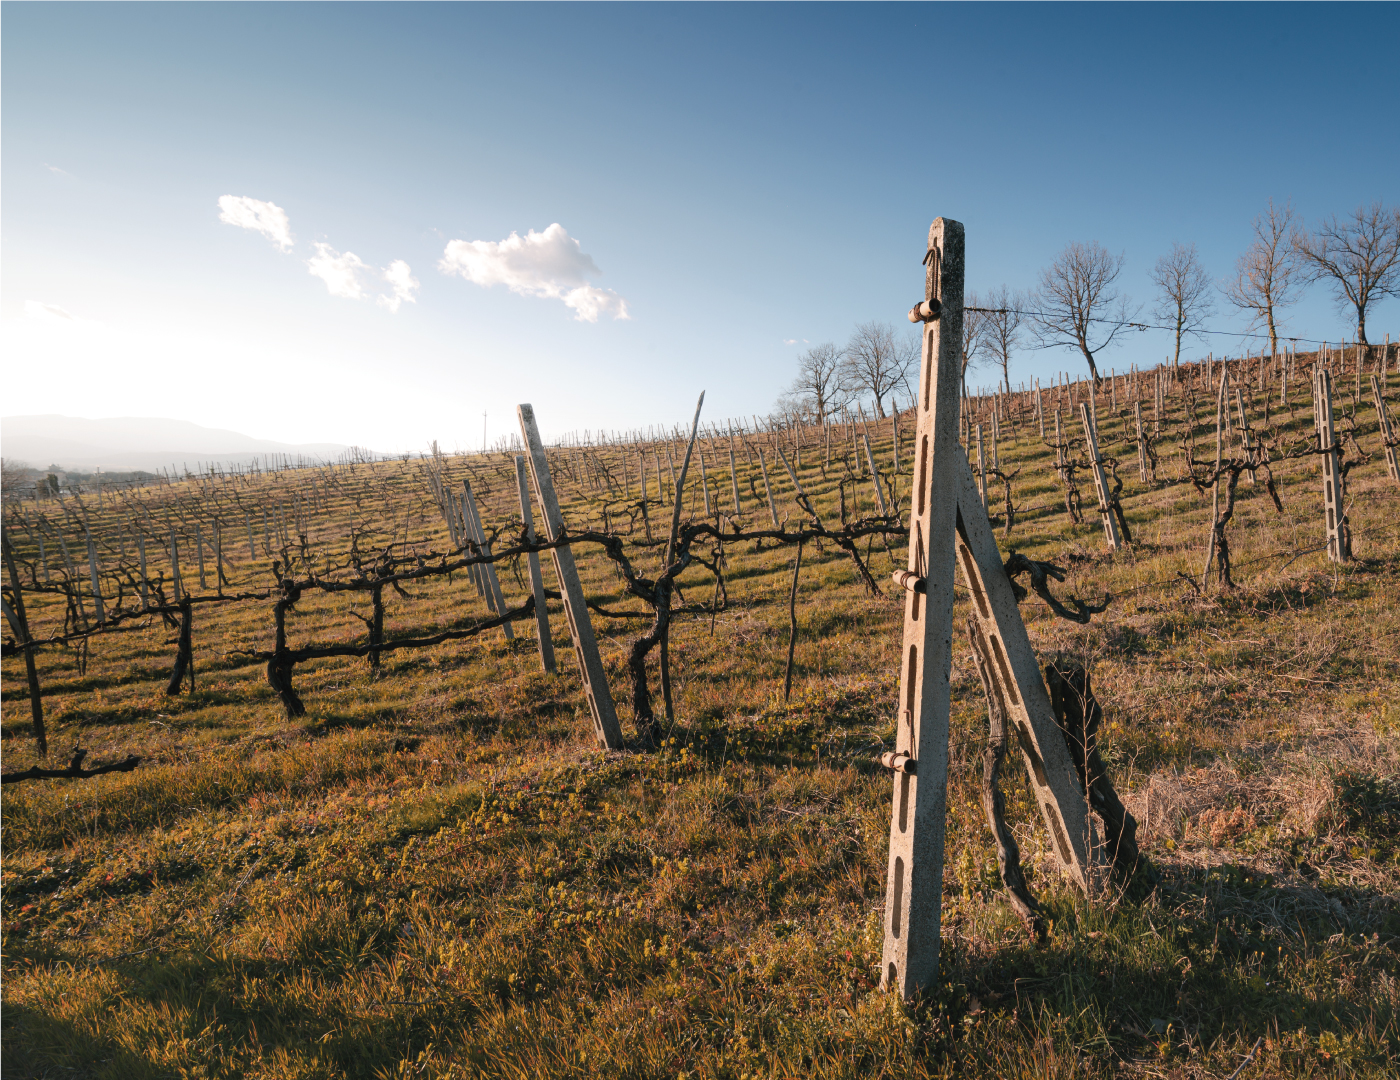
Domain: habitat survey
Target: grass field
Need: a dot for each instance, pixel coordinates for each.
(436, 873)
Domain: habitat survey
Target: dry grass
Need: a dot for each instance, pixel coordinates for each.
(434, 873)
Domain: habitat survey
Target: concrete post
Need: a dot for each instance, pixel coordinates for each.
(595, 682)
(1333, 486)
(914, 886)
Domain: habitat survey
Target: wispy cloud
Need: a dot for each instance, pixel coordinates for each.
(549, 264)
(37, 309)
(403, 284)
(264, 217)
(56, 170)
(341, 273)
(344, 275)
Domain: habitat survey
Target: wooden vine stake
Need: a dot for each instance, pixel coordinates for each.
(590, 664)
(495, 599)
(1387, 431)
(1091, 441)
(949, 526)
(546, 640)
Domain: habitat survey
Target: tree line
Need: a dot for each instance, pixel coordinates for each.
(1077, 304)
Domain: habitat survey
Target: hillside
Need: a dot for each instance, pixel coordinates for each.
(130, 442)
(434, 871)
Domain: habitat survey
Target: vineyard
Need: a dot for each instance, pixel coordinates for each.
(319, 771)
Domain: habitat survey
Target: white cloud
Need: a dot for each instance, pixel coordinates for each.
(57, 170)
(790, 341)
(404, 284)
(37, 309)
(549, 264)
(264, 217)
(341, 273)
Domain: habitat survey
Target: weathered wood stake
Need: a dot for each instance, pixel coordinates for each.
(1091, 442)
(1383, 418)
(546, 639)
(595, 681)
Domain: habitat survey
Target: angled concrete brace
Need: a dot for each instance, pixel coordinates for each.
(1021, 690)
(595, 681)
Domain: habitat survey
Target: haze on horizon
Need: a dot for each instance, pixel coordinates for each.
(373, 224)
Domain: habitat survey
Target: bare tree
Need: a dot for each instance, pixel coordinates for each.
(1183, 293)
(15, 475)
(974, 346)
(1266, 275)
(876, 362)
(1002, 317)
(1360, 255)
(1077, 306)
(819, 389)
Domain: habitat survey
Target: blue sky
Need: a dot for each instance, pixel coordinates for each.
(740, 177)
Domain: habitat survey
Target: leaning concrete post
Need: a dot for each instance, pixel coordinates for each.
(1333, 485)
(546, 639)
(1091, 442)
(914, 886)
(488, 570)
(1387, 432)
(595, 680)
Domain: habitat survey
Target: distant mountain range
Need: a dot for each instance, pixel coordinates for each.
(136, 442)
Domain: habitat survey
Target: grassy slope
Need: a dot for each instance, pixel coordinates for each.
(435, 873)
